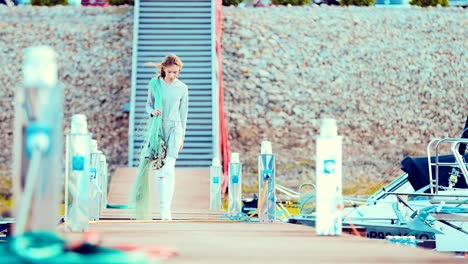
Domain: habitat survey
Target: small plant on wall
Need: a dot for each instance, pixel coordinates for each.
(357, 2)
(426, 3)
(231, 2)
(291, 2)
(49, 2)
(121, 2)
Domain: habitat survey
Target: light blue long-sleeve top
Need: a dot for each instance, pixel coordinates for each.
(174, 113)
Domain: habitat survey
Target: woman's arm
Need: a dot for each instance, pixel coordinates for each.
(184, 111)
(150, 100)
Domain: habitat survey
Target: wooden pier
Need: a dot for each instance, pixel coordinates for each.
(198, 236)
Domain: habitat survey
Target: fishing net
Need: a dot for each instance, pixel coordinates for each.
(151, 157)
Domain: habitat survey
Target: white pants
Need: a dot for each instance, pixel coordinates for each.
(165, 179)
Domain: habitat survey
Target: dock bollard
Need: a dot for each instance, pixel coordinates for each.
(266, 172)
(94, 188)
(38, 153)
(215, 185)
(103, 181)
(329, 180)
(235, 185)
(78, 176)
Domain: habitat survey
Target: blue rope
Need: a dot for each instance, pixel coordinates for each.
(237, 217)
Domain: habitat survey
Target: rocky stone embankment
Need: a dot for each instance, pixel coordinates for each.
(94, 47)
(392, 78)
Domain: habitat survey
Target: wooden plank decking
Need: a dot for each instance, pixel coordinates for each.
(191, 195)
(199, 238)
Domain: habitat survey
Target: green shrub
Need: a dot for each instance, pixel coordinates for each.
(231, 2)
(5, 184)
(291, 2)
(357, 2)
(49, 2)
(121, 2)
(426, 3)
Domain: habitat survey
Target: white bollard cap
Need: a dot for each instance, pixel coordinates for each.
(266, 148)
(328, 128)
(235, 157)
(216, 162)
(94, 147)
(79, 124)
(40, 67)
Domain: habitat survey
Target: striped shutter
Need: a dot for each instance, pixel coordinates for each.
(185, 28)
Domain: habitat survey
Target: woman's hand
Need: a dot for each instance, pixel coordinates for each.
(181, 147)
(156, 112)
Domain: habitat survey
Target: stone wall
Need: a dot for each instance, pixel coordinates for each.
(94, 46)
(393, 79)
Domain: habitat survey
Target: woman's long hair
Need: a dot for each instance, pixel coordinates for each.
(170, 59)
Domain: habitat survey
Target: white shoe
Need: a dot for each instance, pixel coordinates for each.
(166, 215)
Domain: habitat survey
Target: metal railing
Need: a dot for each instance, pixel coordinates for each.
(459, 162)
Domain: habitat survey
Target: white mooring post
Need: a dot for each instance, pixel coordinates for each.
(235, 185)
(94, 188)
(78, 175)
(103, 181)
(329, 180)
(37, 158)
(215, 185)
(266, 173)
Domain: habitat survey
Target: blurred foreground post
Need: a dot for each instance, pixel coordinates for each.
(37, 154)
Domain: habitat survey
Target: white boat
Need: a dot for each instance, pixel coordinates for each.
(429, 202)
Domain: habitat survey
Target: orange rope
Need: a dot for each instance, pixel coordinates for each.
(356, 232)
(153, 251)
(93, 238)
(261, 201)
